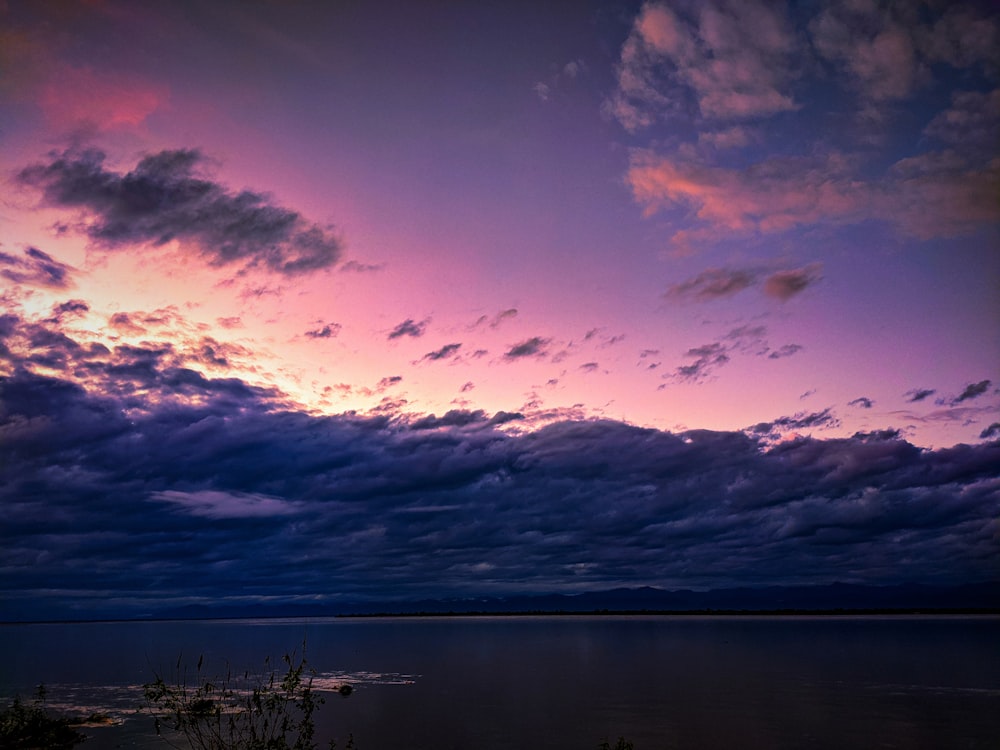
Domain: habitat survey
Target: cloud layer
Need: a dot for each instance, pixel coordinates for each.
(159, 483)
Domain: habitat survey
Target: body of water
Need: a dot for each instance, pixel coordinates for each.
(561, 683)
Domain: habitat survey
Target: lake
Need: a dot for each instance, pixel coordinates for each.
(563, 683)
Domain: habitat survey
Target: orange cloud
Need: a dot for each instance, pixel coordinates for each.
(937, 194)
(773, 195)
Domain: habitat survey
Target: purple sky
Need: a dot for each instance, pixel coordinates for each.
(431, 298)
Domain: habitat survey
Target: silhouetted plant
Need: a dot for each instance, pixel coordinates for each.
(249, 712)
(622, 744)
(24, 726)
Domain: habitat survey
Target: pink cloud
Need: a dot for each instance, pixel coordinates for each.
(735, 137)
(72, 96)
(962, 38)
(873, 48)
(733, 57)
(972, 120)
(940, 194)
(664, 33)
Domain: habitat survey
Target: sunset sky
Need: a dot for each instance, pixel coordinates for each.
(310, 300)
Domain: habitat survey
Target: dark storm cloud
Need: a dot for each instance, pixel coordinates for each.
(35, 268)
(409, 328)
(918, 394)
(973, 390)
(165, 198)
(863, 402)
(448, 350)
(532, 347)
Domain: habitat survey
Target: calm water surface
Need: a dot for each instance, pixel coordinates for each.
(562, 683)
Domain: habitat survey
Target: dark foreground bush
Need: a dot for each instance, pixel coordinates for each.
(27, 725)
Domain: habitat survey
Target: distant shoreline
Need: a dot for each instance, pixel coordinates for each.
(692, 612)
(788, 612)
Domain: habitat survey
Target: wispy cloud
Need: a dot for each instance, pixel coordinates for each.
(533, 347)
(497, 320)
(327, 331)
(354, 266)
(410, 328)
(786, 350)
(708, 358)
(445, 352)
(35, 268)
(798, 421)
(226, 504)
(718, 283)
(714, 283)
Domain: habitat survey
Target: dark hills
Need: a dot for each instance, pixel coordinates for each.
(828, 598)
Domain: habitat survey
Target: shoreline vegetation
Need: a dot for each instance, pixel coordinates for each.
(268, 710)
(26, 726)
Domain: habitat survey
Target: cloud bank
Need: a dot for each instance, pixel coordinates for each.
(150, 482)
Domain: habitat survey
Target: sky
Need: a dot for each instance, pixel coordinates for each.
(309, 301)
